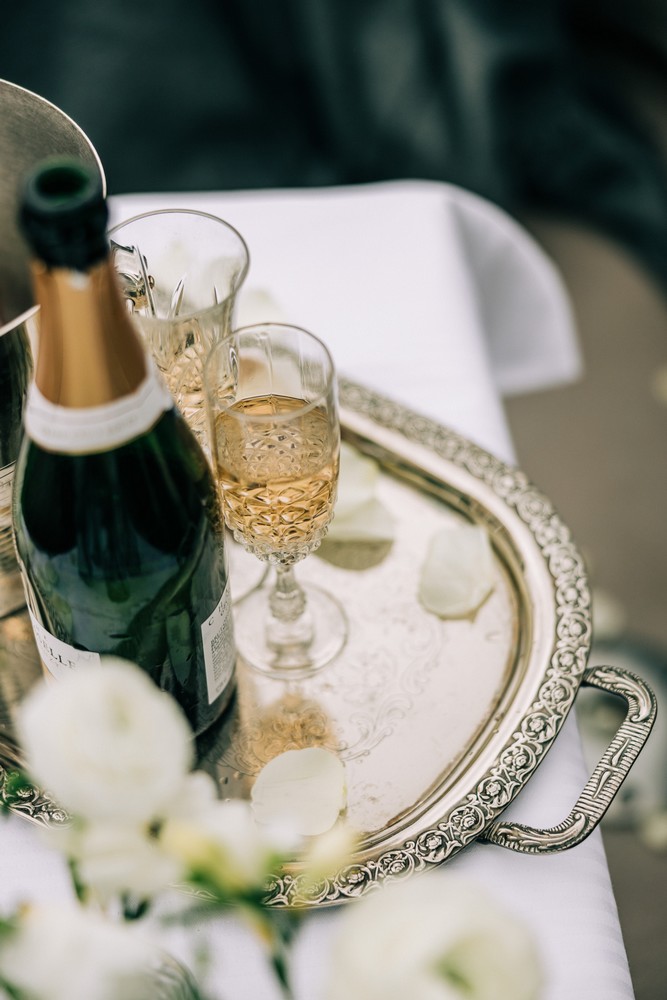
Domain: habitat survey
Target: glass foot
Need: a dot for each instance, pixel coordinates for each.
(261, 639)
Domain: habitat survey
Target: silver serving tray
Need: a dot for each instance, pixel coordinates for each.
(440, 723)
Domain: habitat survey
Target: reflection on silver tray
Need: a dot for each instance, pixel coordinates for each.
(440, 723)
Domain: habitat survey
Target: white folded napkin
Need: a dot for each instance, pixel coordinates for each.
(381, 275)
(411, 283)
(522, 302)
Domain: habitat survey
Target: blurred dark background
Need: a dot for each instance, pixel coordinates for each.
(554, 109)
(509, 98)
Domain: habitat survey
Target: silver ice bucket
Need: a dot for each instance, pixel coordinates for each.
(31, 129)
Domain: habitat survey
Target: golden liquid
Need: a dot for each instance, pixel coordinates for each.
(179, 360)
(277, 478)
(186, 384)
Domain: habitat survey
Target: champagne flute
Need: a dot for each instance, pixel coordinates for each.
(181, 271)
(273, 412)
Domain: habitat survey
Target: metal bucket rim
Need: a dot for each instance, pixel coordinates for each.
(59, 111)
(19, 320)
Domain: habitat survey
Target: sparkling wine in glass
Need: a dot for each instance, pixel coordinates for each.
(271, 396)
(181, 271)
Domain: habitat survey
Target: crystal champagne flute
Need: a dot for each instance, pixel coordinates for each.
(181, 272)
(272, 404)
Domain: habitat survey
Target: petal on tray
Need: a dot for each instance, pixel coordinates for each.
(304, 789)
(370, 522)
(458, 572)
(357, 480)
(359, 515)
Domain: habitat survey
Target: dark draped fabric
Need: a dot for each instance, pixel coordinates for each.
(493, 95)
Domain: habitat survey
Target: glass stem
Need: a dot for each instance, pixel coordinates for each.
(290, 625)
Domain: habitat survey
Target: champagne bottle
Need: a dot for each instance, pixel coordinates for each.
(116, 515)
(15, 370)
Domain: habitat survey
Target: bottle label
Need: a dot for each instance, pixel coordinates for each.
(58, 657)
(219, 650)
(86, 430)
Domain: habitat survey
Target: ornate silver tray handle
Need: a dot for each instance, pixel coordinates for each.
(606, 779)
(440, 723)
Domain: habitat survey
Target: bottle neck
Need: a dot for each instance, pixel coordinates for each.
(89, 352)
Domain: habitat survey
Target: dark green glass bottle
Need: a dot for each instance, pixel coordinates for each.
(116, 516)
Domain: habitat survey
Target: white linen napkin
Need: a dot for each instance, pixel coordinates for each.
(371, 269)
(522, 302)
(381, 275)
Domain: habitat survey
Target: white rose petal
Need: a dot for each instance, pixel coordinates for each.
(458, 572)
(65, 953)
(432, 938)
(357, 480)
(359, 516)
(370, 522)
(106, 743)
(302, 788)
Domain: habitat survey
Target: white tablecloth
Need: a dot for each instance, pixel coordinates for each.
(438, 299)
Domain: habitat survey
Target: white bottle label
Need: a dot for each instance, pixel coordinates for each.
(219, 651)
(58, 657)
(89, 429)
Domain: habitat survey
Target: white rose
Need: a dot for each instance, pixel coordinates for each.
(66, 953)
(116, 859)
(227, 846)
(106, 743)
(432, 938)
(194, 797)
(326, 854)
